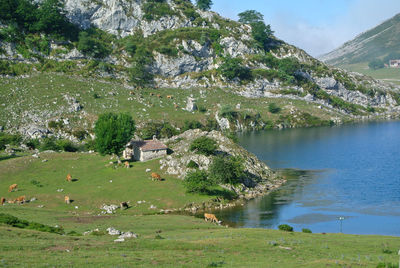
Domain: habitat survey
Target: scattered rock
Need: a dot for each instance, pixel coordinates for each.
(44, 160)
(148, 170)
(35, 156)
(33, 199)
(60, 190)
(191, 105)
(110, 209)
(128, 235)
(119, 240)
(113, 231)
(152, 207)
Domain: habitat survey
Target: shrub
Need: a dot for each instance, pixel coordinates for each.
(90, 145)
(9, 139)
(273, 108)
(49, 144)
(197, 182)
(191, 124)
(376, 64)
(55, 124)
(192, 164)
(228, 169)
(94, 43)
(36, 183)
(80, 134)
(232, 68)
(285, 227)
(158, 129)
(33, 144)
(305, 230)
(67, 145)
(156, 9)
(204, 4)
(203, 145)
(16, 222)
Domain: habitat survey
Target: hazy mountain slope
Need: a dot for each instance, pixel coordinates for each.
(375, 43)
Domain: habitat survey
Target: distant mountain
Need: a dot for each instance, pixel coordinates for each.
(378, 42)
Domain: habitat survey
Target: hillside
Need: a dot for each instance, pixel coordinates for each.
(143, 47)
(379, 42)
(163, 239)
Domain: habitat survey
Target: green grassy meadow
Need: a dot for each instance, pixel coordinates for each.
(165, 240)
(387, 74)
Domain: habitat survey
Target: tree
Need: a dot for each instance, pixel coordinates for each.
(204, 145)
(232, 68)
(204, 4)
(227, 169)
(197, 182)
(250, 16)
(261, 32)
(376, 64)
(113, 132)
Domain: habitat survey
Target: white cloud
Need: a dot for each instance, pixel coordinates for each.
(361, 16)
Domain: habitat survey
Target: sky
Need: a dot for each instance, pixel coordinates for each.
(317, 26)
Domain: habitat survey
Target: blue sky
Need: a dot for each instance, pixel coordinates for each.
(317, 26)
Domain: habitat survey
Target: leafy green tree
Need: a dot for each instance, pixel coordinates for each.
(90, 43)
(232, 68)
(113, 132)
(204, 4)
(139, 75)
(250, 16)
(228, 169)
(273, 108)
(261, 32)
(376, 64)
(204, 145)
(197, 182)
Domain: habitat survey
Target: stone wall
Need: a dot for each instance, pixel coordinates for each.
(148, 155)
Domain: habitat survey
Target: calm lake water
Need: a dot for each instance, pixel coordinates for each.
(351, 171)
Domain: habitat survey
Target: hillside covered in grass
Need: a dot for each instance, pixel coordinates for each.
(167, 240)
(79, 58)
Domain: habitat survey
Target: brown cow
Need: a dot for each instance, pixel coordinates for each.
(210, 217)
(155, 176)
(20, 199)
(69, 177)
(159, 96)
(11, 201)
(176, 106)
(170, 97)
(2, 200)
(12, 187)
(131, 92)
(151, 94)
(126, 164)
(67, 200)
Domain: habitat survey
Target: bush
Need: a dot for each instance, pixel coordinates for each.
(228, 112)
(197, 182)
(273, 108)
(156, 9)
(67, 146)
(232, 68)
(204, 145)
(94, 43)
(158, 129)
(191, 124)
(192, 164)
(49, 144)
(305, 230)
(285, 227)
(9, 139)
(33, 144)
(90, 145)
(16, 222)
(228, 169)
(376, 64)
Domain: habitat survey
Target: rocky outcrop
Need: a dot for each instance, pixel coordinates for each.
(259, 180)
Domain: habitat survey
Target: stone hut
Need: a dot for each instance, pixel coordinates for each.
(394, 64)
(144, 150)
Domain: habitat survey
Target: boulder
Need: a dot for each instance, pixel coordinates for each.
(113, 231)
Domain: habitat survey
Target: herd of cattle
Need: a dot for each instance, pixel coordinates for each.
(67, 200)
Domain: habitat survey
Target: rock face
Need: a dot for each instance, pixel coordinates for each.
(260, 178)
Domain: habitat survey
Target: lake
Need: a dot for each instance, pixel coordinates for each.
(350, 171)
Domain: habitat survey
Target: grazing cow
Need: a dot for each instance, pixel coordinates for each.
(126, 164)
(124, 205)
(2, 200)
(151, 94)
(176, 106)
(11, 201)
(67, 200)
(69, 177)
(159, 96)
(20, 199)
(170, 97)
(12, 187)
(131, 92)
(155, 176)
(210, 217)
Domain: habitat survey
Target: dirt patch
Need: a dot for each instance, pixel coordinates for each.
(86, 219)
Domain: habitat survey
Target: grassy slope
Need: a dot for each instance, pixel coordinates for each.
(42, 94)
(387, 74)
(188, 241)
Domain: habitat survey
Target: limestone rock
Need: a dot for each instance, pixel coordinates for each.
(191, 105)
(113, 231)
